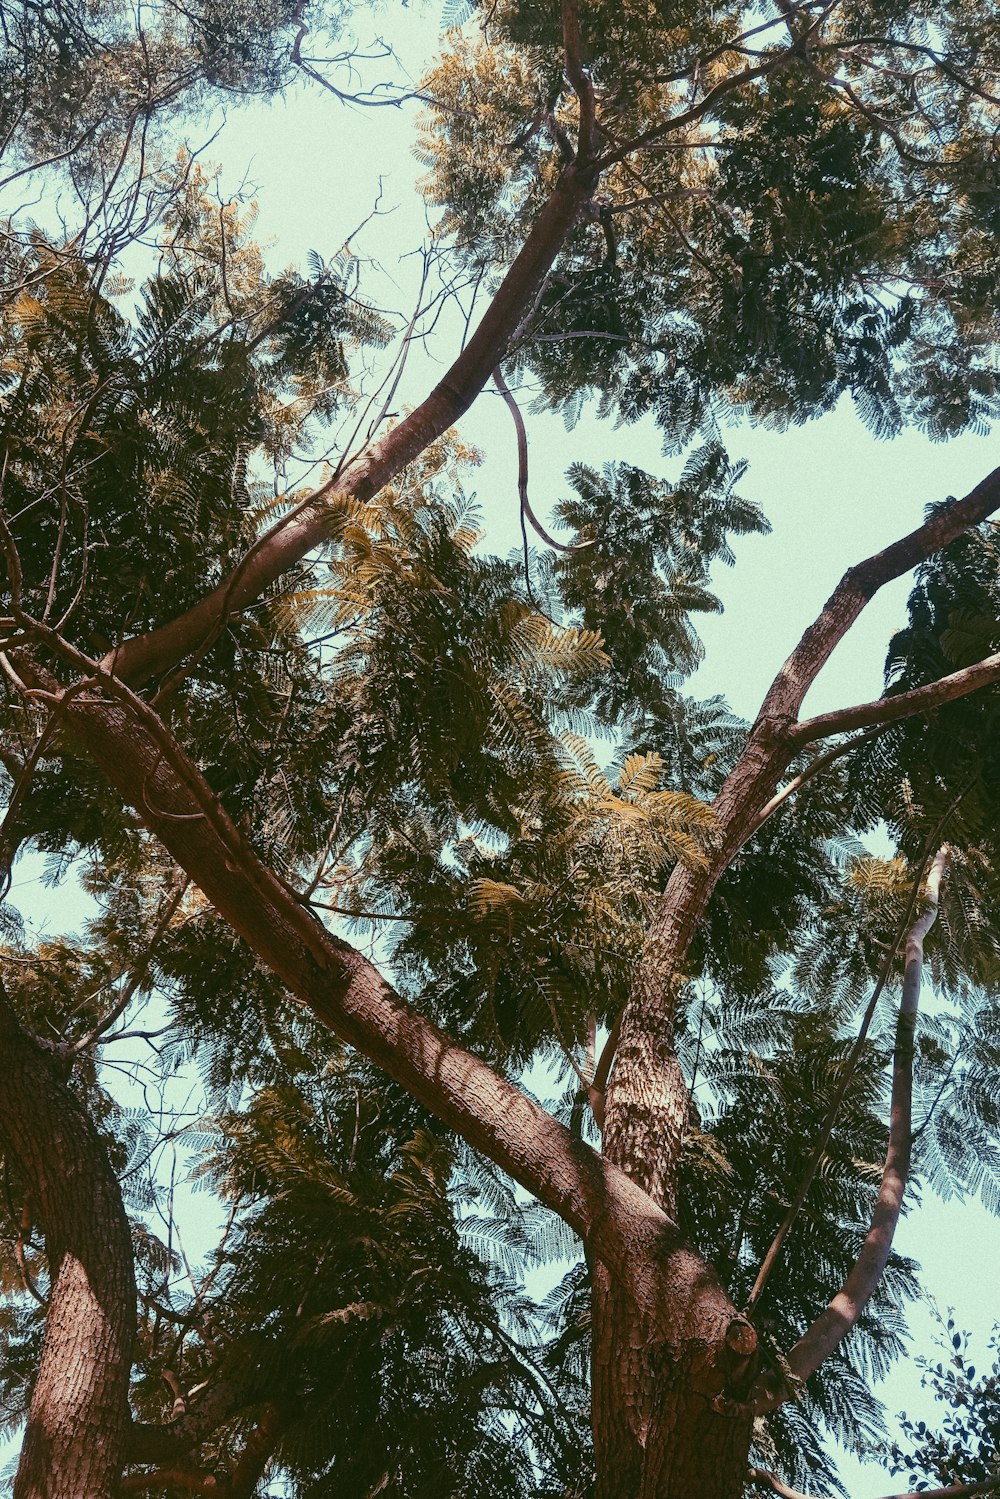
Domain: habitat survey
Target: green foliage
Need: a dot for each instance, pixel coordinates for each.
(642, 567)
(810, 234)
(962, 1446)
(488, 784)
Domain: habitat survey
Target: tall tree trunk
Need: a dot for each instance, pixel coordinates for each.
(670, 1414)
(664, 1426)
(74, 1443)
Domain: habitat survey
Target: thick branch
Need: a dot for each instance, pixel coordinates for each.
(841, 1315)
(177, 1480)
(74, 1441)
(647, 1022)
(292, 538)
(859, 586)
(578, 77)
(611, 1213)
(886, 710)
(168, 1443)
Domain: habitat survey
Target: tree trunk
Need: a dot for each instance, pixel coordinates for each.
(668, 1418)
(670, 1414)
(74, 1442)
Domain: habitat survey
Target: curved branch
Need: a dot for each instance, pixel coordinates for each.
(841, 1315)
(859, 586)
(166, 1444)
(812, 769)
(295, 535)
(645, 1053)
(848, 1070)
(618, 1221)
(140, 969)
(522, 469)
(766, 1479)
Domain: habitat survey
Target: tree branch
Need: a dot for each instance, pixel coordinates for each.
(295, 535)
(841, 1315)
(859, 586)
(646, 1031)
(848, 1070)
(166, 1444)
(812, 770)
(522, 469)
(578, 77)
(139, 971)
(769, 1480)
(617, 1220)
(887, 710)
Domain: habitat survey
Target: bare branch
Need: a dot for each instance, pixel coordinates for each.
(887, 710)
(841, 1315)
(812, 770)
(859, 586)
(850, 1067)
(769, 1480)
(522, 470)
(139, 971)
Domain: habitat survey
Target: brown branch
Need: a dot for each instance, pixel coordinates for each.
(139, 972)
(766, 1479)
(167, 1443)
(859, 586)
(578, 77)
(522, 470)
(646, 1030)
(812, 770)
(689, 116)
(256, 1454)
(27, 1280)
(619, 1222)
(187, 1480)
(599, 1084)
(292, 538)
(850, 1067)
(887, 710)
(841, 1315)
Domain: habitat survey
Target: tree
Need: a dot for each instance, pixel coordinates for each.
(263, 715)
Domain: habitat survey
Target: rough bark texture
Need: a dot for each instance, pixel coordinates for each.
(669, 1414)
(614, 1216)
(74, 1444)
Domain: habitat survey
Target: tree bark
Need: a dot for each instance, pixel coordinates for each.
(669, 1414)
(74, 1444)
(646, 1107)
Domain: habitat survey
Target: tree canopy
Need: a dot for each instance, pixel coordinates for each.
(438, 930)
